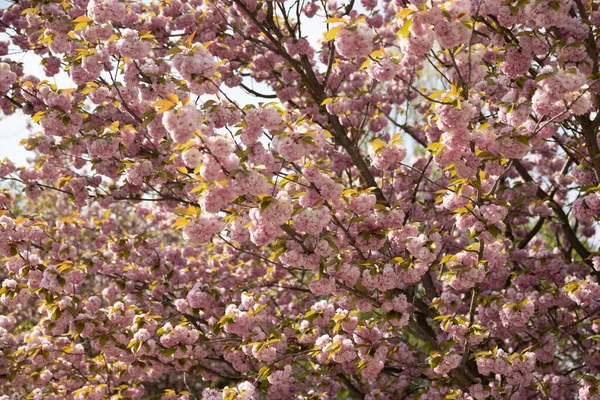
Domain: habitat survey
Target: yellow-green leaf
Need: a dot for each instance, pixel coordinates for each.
(146, 35)
(405, 31)
(378, 53)
(435, 146)
(83, 18)
(181, 222)
(437, 94)
(173, 97)
(80, 26)
(377, 144)
(38, 116)
(405, 13)
(333, 20)
(332, 33)
(164, 105)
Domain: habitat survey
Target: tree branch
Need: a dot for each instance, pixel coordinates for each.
(560, 214)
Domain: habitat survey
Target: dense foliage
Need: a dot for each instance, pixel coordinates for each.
(406, 210)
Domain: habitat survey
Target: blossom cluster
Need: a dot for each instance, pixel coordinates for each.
(224, 203)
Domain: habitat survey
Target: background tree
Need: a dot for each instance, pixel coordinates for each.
(406, 210)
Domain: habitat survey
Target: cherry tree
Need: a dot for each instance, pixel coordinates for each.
(301, 199)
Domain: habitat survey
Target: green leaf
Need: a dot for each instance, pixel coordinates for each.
(170, 351)
(147, 120)
(541, 77)
(522, 139)
(265, 202)
(264, 372)
(308, 140)
(448, 258)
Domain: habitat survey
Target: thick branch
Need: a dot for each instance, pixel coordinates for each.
(589, 134)
(523, 243)
(342, 139)
(559, 212)
(354, 392)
